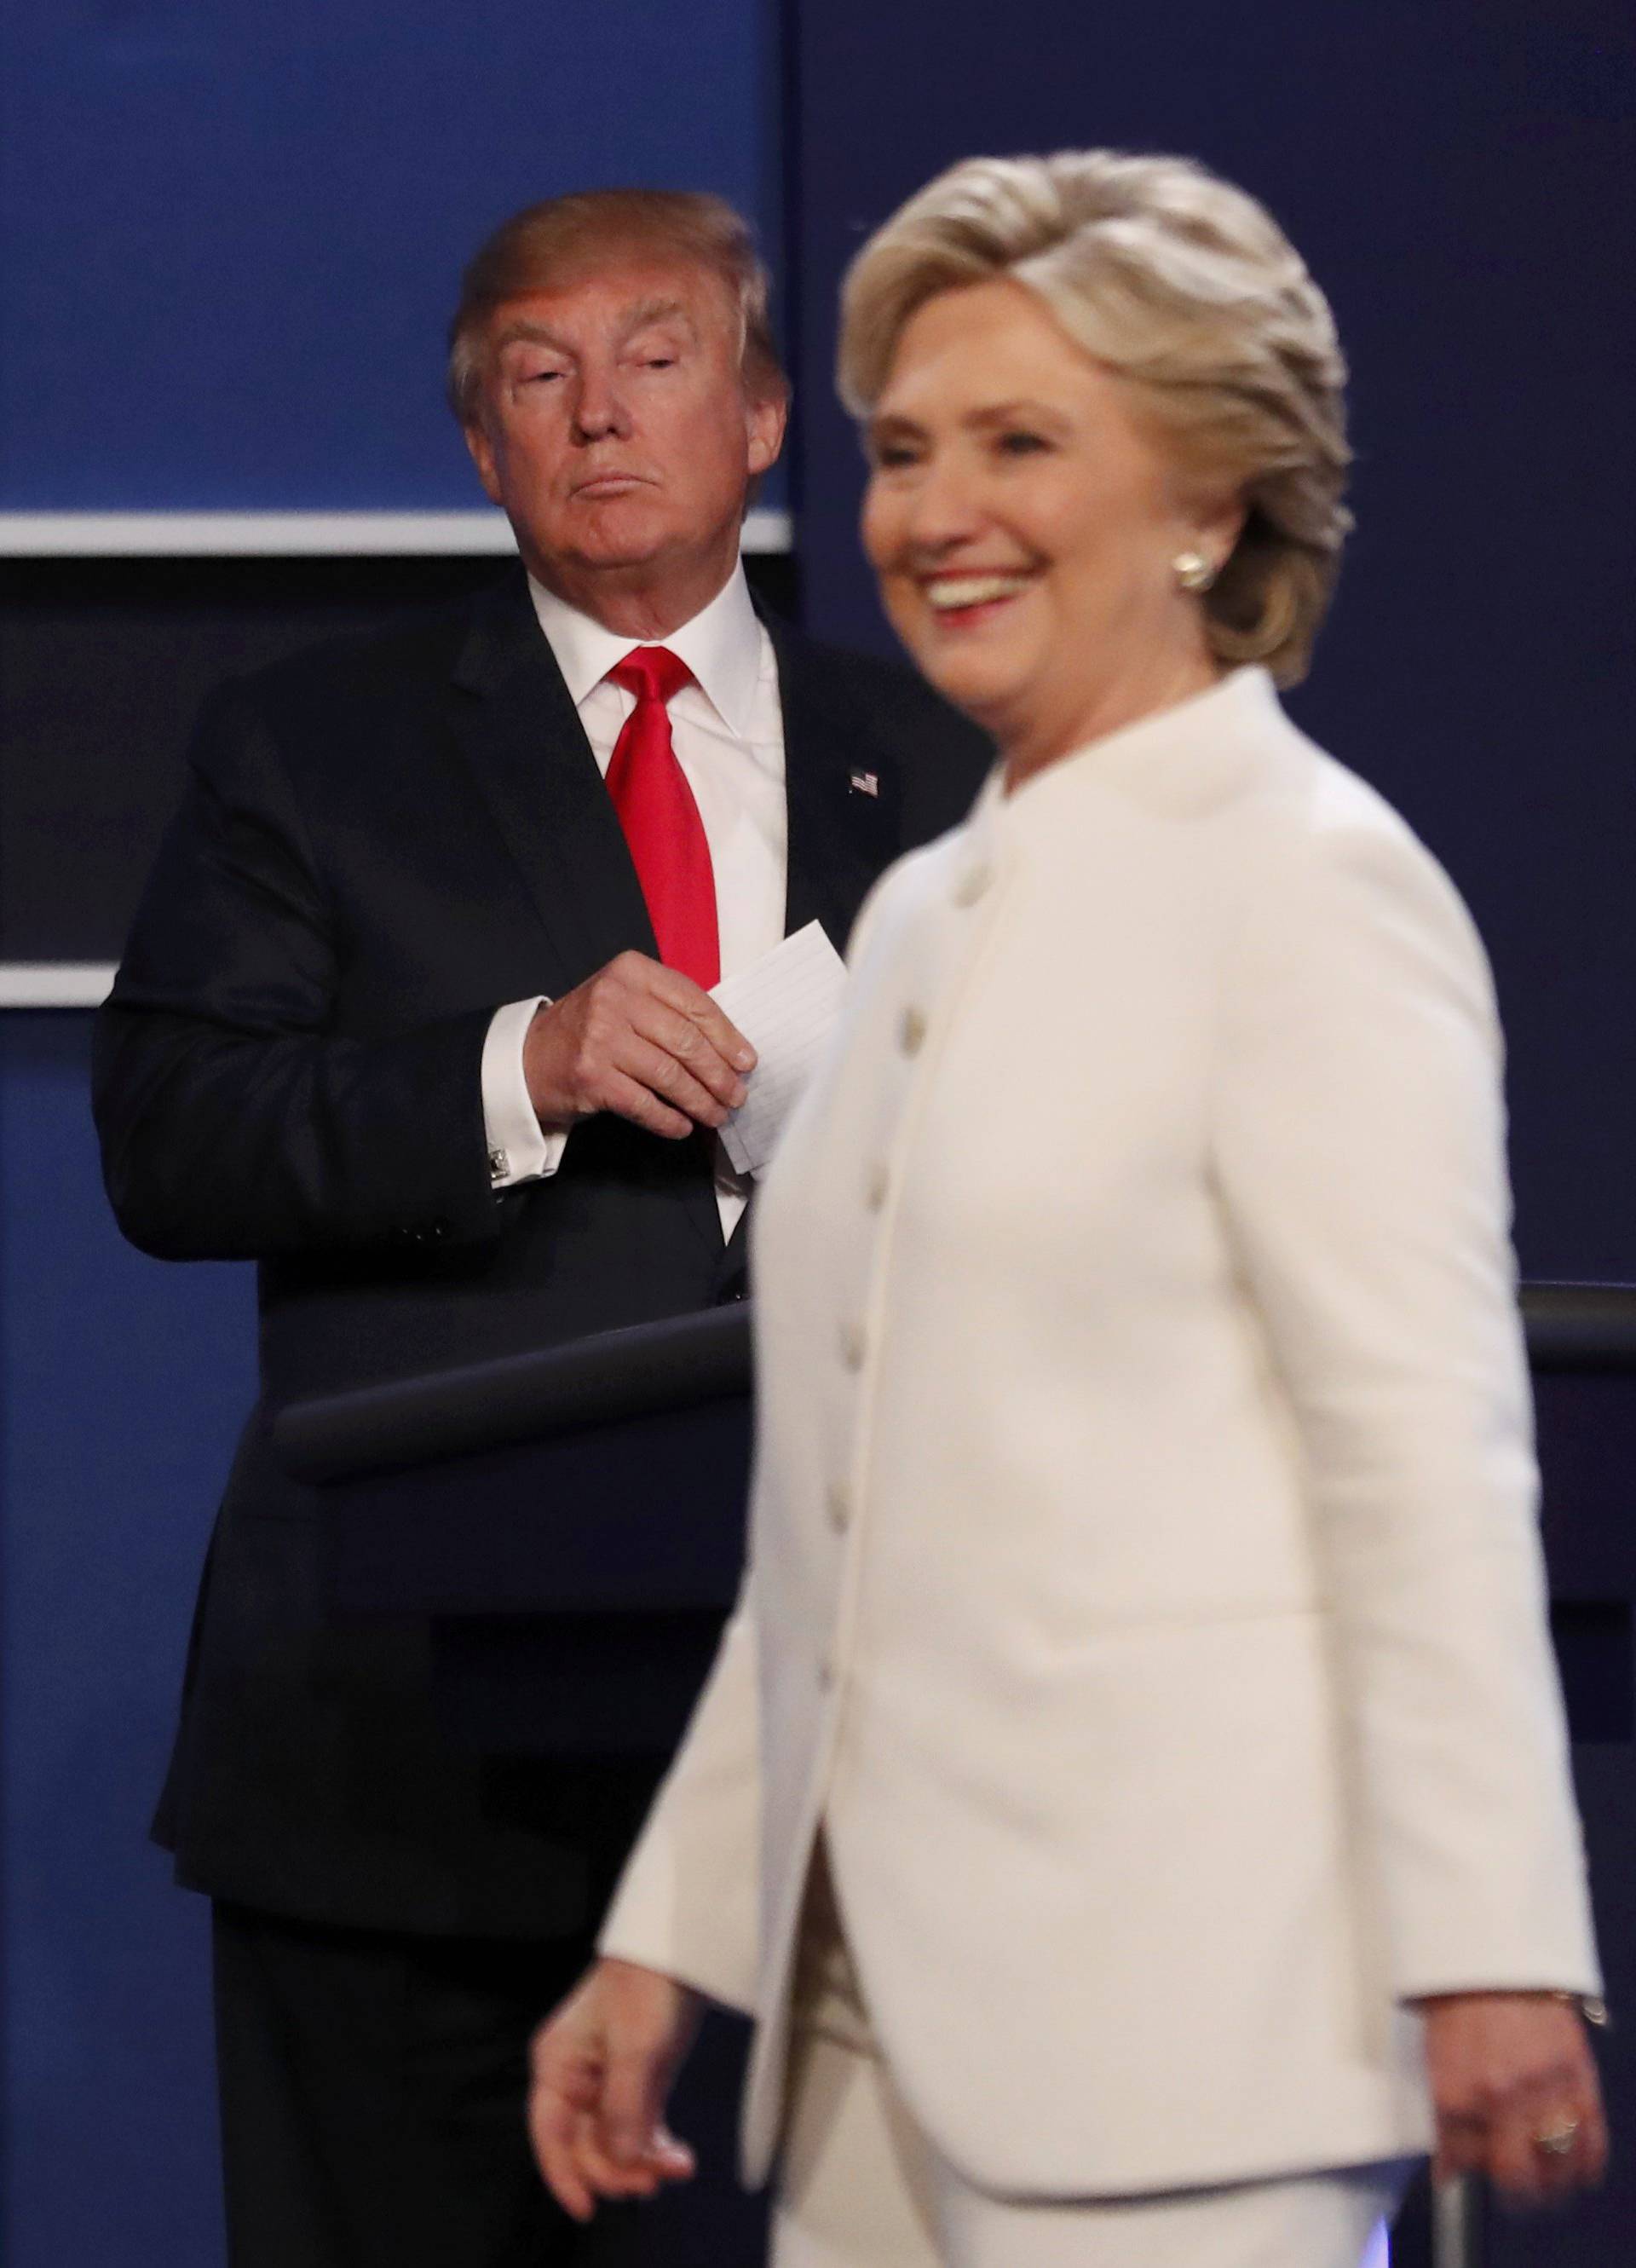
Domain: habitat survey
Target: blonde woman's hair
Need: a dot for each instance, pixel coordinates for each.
(561, 241)
(1191, 292)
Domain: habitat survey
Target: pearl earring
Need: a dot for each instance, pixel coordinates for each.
(1193, 571)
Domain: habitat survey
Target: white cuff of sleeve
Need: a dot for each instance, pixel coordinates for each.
(517, 1150)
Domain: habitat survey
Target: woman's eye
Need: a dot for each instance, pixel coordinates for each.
(889, 456)
(1019, 442)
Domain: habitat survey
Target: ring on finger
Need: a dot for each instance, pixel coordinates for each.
(1559, 2138)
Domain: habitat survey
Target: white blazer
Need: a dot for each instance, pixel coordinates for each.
(1144, 1595)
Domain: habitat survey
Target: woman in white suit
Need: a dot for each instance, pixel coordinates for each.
(1132, 1796)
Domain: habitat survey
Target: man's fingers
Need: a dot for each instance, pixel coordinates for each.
(690, 1001)
(627, 1098)
(636, 1029)
(710, 1057)
(662, 1074)
(725, 1037)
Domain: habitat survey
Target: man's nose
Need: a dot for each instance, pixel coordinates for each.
(599, 408)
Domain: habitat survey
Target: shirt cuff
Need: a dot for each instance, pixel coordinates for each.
(517, 1150)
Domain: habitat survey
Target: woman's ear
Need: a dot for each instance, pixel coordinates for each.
(1215, 520)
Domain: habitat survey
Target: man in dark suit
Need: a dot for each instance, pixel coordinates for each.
(415, 1013)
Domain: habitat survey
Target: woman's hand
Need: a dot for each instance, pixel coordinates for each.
(1511, 2073)
(602, 2066)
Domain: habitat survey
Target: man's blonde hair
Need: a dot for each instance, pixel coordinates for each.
(561, 241)
(1188, 290)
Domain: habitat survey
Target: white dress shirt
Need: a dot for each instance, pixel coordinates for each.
(728, 731)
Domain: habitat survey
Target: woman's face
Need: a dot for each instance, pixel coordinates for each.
(1023, 524)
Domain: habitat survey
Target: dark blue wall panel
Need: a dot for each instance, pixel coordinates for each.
(122, 1383)
(230, 234)
(1460, 178)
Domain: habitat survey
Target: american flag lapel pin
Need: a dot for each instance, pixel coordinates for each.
(865, 782)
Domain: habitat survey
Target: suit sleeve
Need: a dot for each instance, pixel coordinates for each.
(236, 1122)
(1360, 1154)
(688, 1902)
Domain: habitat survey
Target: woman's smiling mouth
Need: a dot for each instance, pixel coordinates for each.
(958, 601)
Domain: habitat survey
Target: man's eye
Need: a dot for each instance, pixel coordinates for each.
(538, 377)
(659, 362)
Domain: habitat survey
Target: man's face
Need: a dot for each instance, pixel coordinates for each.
(615, 432)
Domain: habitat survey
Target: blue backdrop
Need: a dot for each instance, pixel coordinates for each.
(124, 1384)
(231, 233)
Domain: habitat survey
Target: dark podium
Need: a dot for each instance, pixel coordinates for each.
(571, 1523)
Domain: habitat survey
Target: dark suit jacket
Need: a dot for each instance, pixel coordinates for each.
(380, 841)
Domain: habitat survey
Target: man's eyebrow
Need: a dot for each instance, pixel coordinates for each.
(525, 333)
(657, 310)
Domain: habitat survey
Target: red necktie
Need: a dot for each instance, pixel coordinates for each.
(661, 820)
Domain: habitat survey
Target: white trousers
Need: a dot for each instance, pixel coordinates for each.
(861, 2187)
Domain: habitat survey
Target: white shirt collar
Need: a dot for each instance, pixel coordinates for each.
(722, 645)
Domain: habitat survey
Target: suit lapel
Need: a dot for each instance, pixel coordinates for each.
(841, 789)
(521, 738)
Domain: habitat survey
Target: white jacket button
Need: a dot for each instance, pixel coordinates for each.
(875, 1188)
(854, 1345)
(837, 1501)
(912, 1030)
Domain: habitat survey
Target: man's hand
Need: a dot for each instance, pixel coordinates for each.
(1507, 2068)
(602, 2066)
(641, 1040)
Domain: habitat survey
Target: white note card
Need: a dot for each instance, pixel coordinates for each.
(785, 1007)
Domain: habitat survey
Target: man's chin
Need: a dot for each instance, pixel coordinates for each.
(616, 548)
(625, 533)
